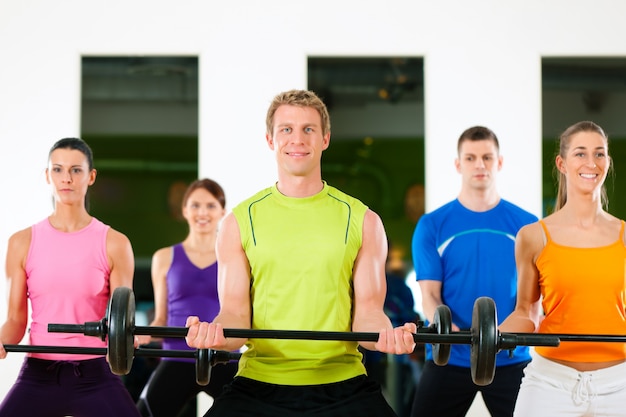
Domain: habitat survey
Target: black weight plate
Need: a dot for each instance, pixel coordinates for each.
(484, 341)
(121, 327)
(203, 366)
(442, 321)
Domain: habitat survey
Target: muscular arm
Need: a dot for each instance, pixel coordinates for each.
(14, 328)
(525, 317)
(370, 289)
(233, 279)
(161, 262)
(431, 298)
(121, 260)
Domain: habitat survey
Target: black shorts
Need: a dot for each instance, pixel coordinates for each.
(245, 397)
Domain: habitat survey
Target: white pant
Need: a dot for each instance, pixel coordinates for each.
(550, 389)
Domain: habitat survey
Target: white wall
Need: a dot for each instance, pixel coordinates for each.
(482, 65)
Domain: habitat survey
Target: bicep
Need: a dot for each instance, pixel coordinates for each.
(233, 270)
(16, 276)
(161, 262)
(528, 244)
(121, 260)
(426, 258)
(370, 286)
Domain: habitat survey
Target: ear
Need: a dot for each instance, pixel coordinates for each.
(270, 140)
(457, 165)
(326, 141)
(560, 164)
(500, 161)
(92, 176)
(47, 176)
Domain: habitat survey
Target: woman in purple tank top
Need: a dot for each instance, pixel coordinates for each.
(184, 278)
(67, 265)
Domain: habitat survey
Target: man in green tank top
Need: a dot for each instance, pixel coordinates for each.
(301, 255)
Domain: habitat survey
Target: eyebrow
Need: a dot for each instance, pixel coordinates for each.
(71, 166)
(584, 148)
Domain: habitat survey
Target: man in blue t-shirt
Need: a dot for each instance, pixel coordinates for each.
(462, 251)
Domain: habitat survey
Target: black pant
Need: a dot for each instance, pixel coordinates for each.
(173, 383)
(358, 396)
(448, 391)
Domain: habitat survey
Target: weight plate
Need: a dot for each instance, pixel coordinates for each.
(484, 341)
(121, 322)
(203, 366)
(442, 321)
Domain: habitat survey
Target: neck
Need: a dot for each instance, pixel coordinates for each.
(479, 200)
(69, 219)
(300, 187)
(583, 209)
(203, 242)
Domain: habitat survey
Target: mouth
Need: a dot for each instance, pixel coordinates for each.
(589, 176)
(297, 154)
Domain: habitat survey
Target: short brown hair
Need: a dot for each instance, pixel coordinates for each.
(301, 98)
(477, 133)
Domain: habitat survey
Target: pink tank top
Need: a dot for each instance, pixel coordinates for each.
(67, 279)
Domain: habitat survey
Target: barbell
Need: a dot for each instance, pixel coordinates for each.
(484, 338)
(205, 359)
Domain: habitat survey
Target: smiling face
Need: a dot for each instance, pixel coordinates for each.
(586, 163)
(70, 176)
(203, 211)
(298, 141)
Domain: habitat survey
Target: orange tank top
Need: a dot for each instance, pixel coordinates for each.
(583, 292)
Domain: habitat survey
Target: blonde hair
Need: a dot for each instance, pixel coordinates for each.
(301, 98)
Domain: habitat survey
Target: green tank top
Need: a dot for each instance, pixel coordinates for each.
(301, 253)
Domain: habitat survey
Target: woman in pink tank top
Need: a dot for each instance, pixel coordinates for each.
(67, 266)
(571, 279)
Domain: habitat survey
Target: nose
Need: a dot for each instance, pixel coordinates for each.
(297, 137)
(67, 176)
(591, 162)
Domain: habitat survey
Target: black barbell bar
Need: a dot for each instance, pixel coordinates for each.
(204, 358)
(180, 332)
(484, 337)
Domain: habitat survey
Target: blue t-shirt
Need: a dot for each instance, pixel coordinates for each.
(473, 255)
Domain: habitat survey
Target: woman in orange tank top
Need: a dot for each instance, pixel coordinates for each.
(569, 264)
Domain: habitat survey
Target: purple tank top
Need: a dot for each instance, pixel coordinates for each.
(191, 291)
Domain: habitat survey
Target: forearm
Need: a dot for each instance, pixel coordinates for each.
(519, 323)
(371, 323)
(12, 332)
(429, 305)
(233, 321)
